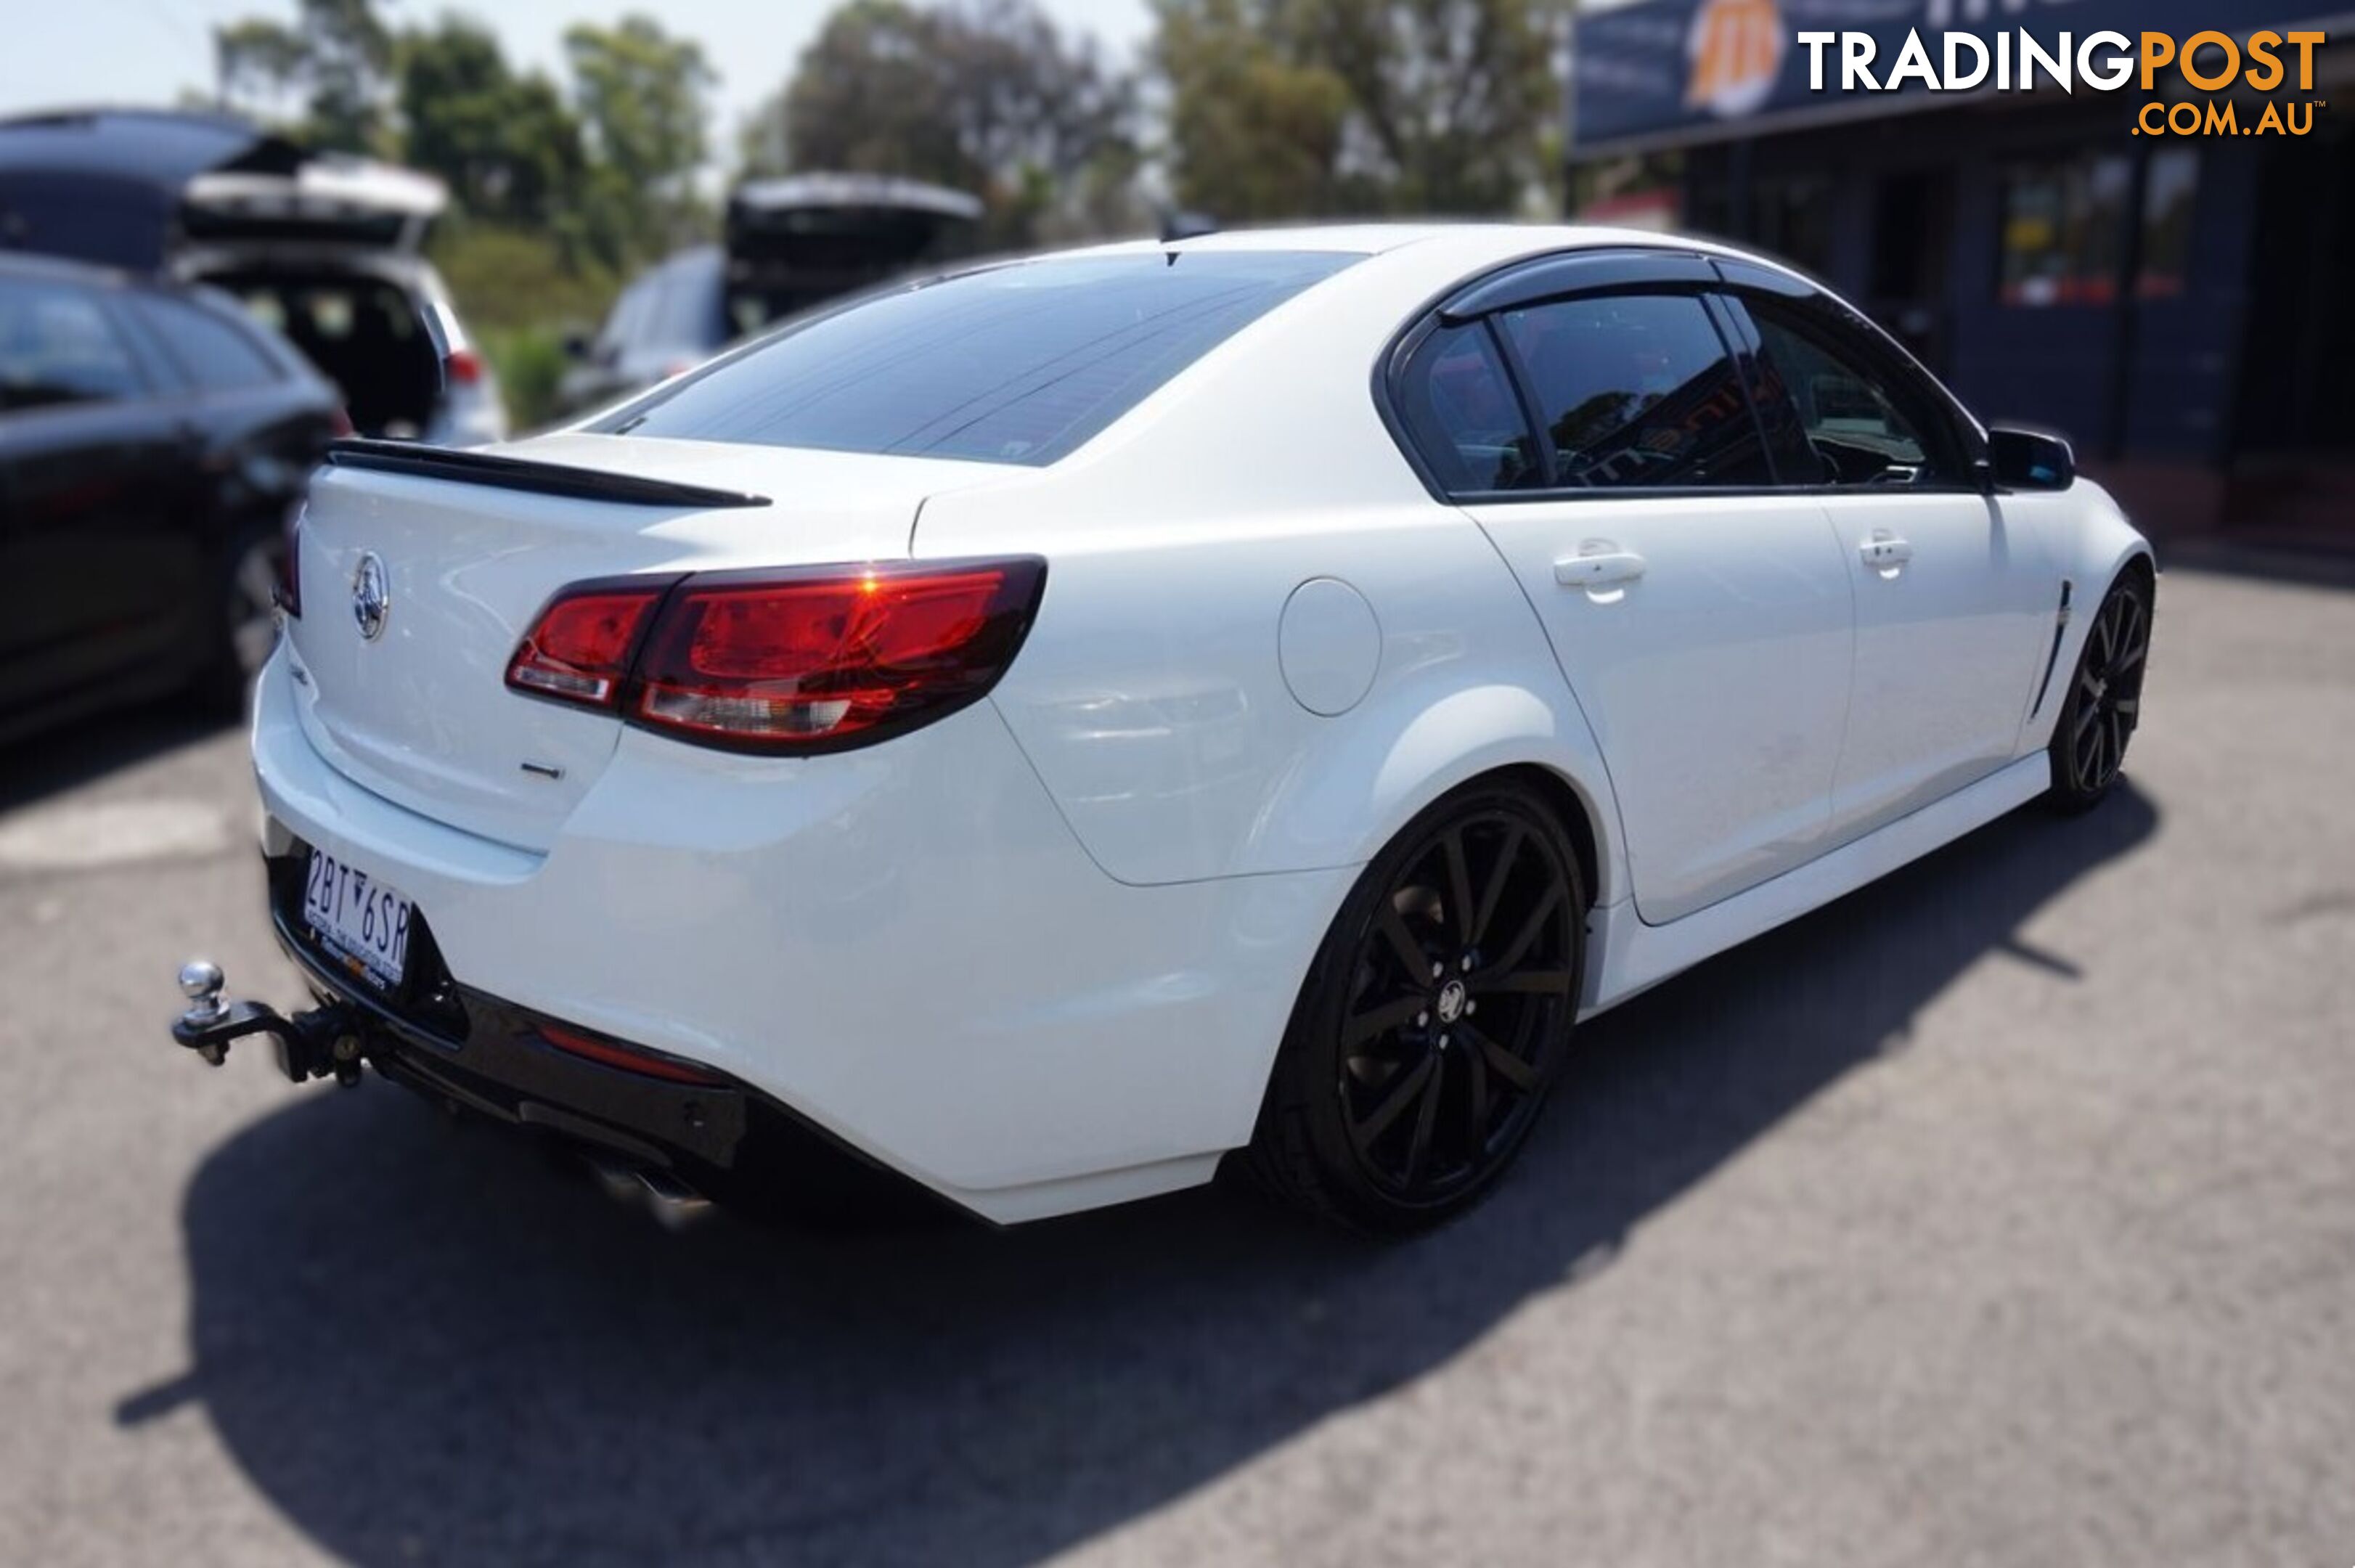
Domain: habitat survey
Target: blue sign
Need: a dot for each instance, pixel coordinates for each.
(1705, 70)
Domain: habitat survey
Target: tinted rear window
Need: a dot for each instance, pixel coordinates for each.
(1017, 364)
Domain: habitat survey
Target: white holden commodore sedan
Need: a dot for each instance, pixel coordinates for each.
(1040, 734)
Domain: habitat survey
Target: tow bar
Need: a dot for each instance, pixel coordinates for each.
(325, 1041)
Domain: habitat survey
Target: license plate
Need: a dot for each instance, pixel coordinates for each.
(359, 919)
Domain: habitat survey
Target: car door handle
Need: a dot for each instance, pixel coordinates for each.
(1604, 568)
(1885, 552)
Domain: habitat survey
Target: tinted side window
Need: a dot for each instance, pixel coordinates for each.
(1866, 427)
(215, 355)
(57, 346)
(1014, 363)
(1792, 455)
(1637, 391)
(1462, 414)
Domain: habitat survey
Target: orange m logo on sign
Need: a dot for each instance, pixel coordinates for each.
(1736, 49)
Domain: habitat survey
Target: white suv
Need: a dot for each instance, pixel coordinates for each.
(378, 323)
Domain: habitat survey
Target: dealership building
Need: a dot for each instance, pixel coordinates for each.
(2175, 303)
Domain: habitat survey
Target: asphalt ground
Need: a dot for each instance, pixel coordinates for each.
(2002, 1213)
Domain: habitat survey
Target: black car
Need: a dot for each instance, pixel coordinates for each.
(154, 441)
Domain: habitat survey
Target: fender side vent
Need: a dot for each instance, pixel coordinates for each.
(2060, 629)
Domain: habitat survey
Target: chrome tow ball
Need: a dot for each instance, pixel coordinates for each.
(315, 1044)
(201, 981)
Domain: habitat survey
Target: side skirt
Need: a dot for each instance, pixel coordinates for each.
(1633, 956)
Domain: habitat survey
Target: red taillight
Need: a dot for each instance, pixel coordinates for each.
(808, 662)
(579, 649)
(628, 1058)
(464, 367)
(787, 663)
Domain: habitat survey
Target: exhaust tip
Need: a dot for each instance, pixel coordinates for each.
(673, 1204)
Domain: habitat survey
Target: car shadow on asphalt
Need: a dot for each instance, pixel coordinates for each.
(425, 1343)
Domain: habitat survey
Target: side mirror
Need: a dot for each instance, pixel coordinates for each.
(2029, 460)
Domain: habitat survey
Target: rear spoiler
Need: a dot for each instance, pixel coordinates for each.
(522, 473)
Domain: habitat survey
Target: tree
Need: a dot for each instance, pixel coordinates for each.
(642, 95)
(1254, 134)
(871, 93)
(986, 96)
(508, 147)
(256, 58)
(1282, 108)
(337, 57)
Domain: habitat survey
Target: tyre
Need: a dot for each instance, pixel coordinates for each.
(244, 627)
(2103, 702)
(1435, 1016)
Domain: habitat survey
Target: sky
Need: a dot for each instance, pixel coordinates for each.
(76, 52)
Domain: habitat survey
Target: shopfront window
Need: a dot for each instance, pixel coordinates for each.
(2167, 203)
(1789, 217)
(1794, 220)
(2064, 225)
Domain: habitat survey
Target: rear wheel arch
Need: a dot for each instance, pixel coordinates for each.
(1427, 751)
(1298, 1151)
(1576, 813)
(1583, 806)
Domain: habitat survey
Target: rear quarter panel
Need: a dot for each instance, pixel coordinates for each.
(1151, 697)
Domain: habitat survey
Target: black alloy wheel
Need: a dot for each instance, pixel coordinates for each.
(2103, 702)
(250, 612)
(243, 628)
(1435, 1017)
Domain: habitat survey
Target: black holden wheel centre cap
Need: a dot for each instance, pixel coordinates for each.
(1449, 1004)
(1462, 987)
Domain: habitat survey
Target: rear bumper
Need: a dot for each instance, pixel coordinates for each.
(904, 948)
(478, 1053)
